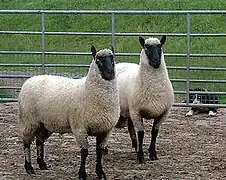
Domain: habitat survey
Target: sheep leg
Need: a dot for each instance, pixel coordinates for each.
(152, 149)
(28, 136)
(155, 129)
(100, 142)
(82, 170)
(132, 134)
(27, 151)
(140, 153)
(42, 135)
(82, 139)
(138, 123)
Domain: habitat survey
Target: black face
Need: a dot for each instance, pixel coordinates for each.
(106, 65)
(153, 52)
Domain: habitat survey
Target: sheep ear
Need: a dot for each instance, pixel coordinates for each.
(163, 40)
(142, 41)
(94, 51)
(111, 47)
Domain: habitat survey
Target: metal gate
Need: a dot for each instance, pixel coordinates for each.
(14, 73)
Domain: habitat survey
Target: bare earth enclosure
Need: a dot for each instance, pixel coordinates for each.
(187, 147)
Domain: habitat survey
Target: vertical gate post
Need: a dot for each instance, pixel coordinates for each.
(113, 29)
(43, 42)
(188, 56)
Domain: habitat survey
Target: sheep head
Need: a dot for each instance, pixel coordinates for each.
(105, 62)
(153, 50)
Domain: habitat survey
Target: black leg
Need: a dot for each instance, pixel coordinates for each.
(140, 153)
(152, 149)
(82, 170)
(41, 136)
(99, 151)
(132, 134)
(105, 151)
(40, 155)
(28, 167)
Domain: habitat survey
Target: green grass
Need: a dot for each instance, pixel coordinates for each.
(124, 23)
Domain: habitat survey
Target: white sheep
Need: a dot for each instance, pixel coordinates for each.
(85, 107)
(145, 92)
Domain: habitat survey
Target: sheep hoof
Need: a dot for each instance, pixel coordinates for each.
(140, 157)
(105, 151)
(101, 175)
(82, 178)
(42, 164)
(134, 144)
(29, 168)
(102, 178)
(153, 156)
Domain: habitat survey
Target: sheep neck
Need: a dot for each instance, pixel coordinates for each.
(96, 85)
(147, 74)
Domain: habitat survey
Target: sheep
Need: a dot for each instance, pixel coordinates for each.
(145, 92)
(85, 107)
(198, 98)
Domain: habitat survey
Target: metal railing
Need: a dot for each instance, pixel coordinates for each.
(113, 34)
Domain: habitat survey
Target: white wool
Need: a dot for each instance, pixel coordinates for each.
(152, 41)
(142, 87)
(86, 106)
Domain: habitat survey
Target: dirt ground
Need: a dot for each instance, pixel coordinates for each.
(187, 147)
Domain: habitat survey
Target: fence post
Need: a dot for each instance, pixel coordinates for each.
(113, 29)
(188, 56)
(43, 42)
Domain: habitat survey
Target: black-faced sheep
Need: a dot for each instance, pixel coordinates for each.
(145, 92)
(85, 107)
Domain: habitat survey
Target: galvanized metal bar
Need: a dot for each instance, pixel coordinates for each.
(86, 65)
(110, 33)
(117, 54)
(172, 80)
(199, 105)
(176, 55)
(113, 30)
(188, 55)
(10, 87)
(199, 80)
(46, 65)
(201, 92)
(21, 32)
(43, 42)
(4, 100)
(3, 11)
(15, 76)
(197, 68)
